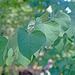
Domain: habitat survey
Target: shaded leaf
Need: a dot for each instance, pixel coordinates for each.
(29, 43)
(3, 43)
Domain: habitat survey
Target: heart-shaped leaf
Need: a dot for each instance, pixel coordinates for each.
(29, 43)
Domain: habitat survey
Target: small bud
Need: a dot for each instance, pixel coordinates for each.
(49, 9)
(51, 65)
(41, 53)
(50, 61)
(45, 46)
(50, 47)
(40, 59)
(48, 73)
(68, 10)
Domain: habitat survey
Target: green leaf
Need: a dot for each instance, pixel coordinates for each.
(60, 46)
(72, 70)
(70, 31)
(9, 60)
(50, 29)
(3, 43)
(66, 72)
(64, 22)
(45, 17)
(36, 53)
(10, 57)
(22, 60)
(43, 63)
(29, 43)
(62, 63)
(55, 71)
(57, 41)
(10, 52)
(38, 20)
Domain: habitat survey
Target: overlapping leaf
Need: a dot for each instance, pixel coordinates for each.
(50, 29)
(64, 22)
(22, 60)
(29, 43)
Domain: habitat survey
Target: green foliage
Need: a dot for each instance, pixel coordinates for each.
(50, 29)
(22, 60)
(64, 21)
(55, 31)
(30, 42)
(55, 71)
(10, 57)
(3, 46)
(72, 71)
(9, 60)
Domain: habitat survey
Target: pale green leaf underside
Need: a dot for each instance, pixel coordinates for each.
(9, 60)
(50, 29)
(22, 59)
(64, 22)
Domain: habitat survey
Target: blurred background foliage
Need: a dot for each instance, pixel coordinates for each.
(15, 13)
